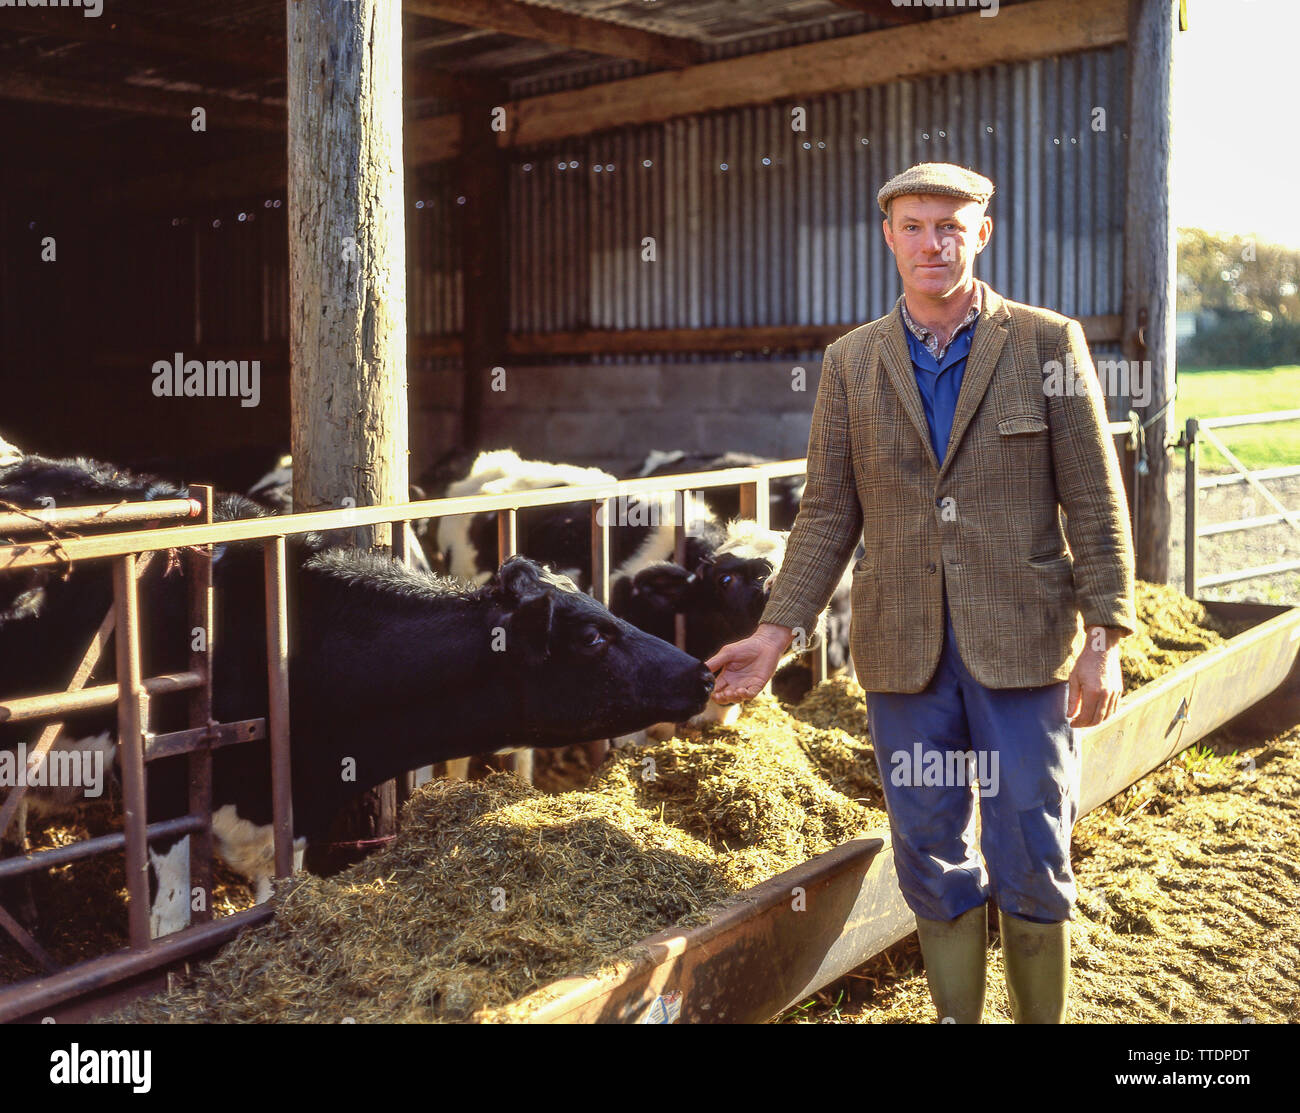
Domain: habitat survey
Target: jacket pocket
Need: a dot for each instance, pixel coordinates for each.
(1046, 560)
(1021, 423)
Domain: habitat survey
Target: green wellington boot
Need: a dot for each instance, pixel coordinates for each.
(955, 953)
(1037, 962)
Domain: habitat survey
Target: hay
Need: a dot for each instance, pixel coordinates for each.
(1172, 628)
(494, 889)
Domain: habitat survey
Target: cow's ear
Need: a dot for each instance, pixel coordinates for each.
(528, 629)
(519, 580)
(662, 585)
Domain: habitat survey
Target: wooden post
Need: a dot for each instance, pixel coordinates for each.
(483, 183)
(1149, 264)
(347, 276)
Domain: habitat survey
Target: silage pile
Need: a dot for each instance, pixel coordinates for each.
(1172, 629)
(494, 889)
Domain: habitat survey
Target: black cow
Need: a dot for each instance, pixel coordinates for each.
(393, 669)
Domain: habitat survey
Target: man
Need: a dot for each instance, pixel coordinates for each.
(944, 429)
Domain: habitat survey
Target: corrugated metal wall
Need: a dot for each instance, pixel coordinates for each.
(758, 224)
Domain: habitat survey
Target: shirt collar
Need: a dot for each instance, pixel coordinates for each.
(928, 339)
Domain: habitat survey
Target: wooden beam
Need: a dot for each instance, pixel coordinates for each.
(245, 50)
(1027, 31)
(1032, 30)
(745, 338)
(562, 28)
(885, 10)
(1149, 266)
(222, 110)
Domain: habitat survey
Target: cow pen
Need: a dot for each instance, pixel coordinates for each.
(1158, 725)
(131, 552)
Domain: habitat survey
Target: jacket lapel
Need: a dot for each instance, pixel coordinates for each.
(986, 347)
(898, 362)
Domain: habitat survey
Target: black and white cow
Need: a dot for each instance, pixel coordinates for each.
(784, 491)
(468, 542)
(720, 589)
(393, 669)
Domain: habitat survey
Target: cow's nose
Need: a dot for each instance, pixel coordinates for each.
(707, 679)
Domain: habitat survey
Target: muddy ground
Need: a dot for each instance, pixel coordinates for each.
(1189, 906)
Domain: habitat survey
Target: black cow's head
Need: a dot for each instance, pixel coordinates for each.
(578, 671)
(722, 597)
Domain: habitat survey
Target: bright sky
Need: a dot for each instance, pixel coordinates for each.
(1236, 156)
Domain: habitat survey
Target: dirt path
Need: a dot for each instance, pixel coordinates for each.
(1189, 906)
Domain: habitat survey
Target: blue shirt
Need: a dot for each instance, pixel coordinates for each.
(939, 380)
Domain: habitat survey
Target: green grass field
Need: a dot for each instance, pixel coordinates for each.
(1226, 393)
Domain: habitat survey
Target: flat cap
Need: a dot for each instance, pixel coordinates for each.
(942, 178)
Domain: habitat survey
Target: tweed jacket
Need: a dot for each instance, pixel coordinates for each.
(1030, 465)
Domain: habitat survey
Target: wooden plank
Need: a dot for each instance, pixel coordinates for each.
(524, 345)
(222, 110)
(561, 28)
(1038, 29)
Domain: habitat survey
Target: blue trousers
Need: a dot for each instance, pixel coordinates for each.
(1012, 749)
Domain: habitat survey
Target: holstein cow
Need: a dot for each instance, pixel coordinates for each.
(720, 589)
(784, 491)
(393, 669)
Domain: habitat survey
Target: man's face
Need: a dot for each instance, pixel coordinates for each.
(935, 240)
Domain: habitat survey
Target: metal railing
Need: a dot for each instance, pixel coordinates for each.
(1199, 429)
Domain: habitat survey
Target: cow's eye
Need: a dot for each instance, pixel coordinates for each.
(725, 579)
(593, 639)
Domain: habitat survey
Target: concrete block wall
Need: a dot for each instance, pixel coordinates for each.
(609, 416)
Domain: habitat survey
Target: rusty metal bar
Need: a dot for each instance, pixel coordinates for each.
(87, 699)
(24, 939)
(38, 554)
(507, 534)
(600, 511)
(130, 745)
(196, 739)
(277, 665)
(120, 513)
(29, 998)
(202, 635)
(89, 848)
(80, 675)
(679, 558)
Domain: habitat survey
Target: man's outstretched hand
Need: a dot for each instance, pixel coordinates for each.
(748, 665)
